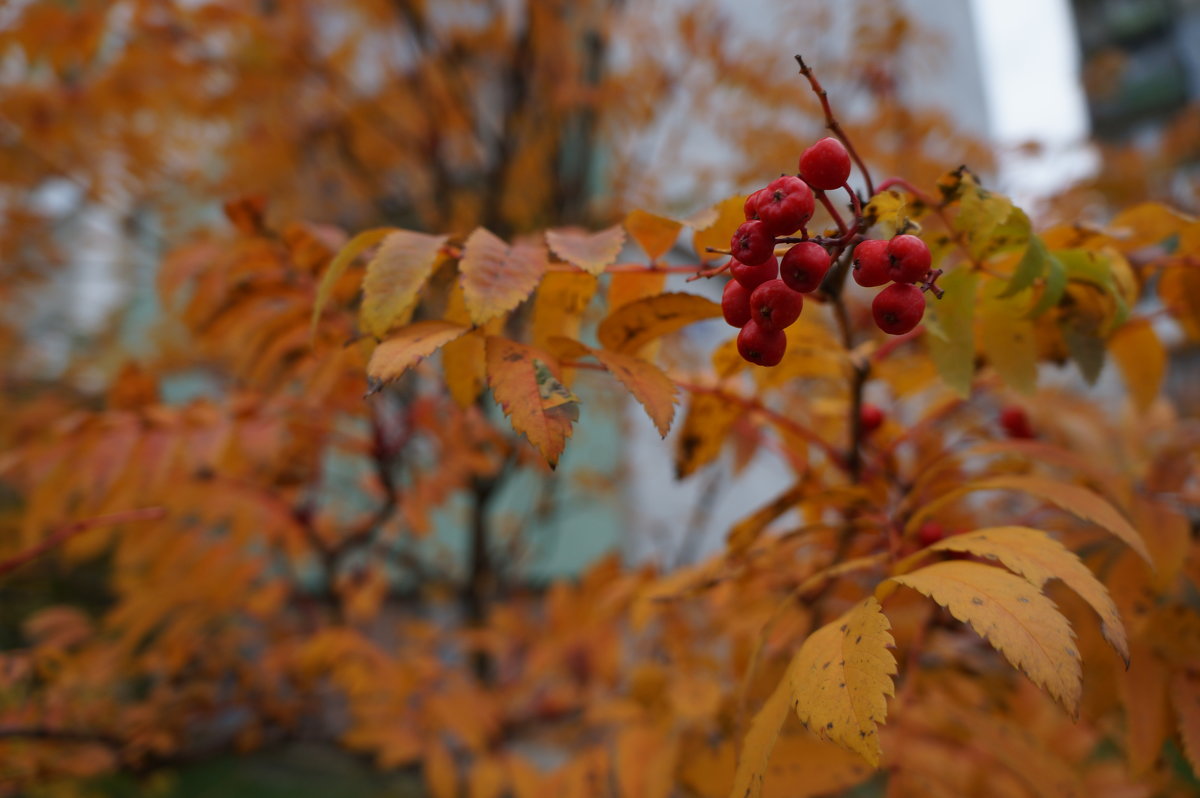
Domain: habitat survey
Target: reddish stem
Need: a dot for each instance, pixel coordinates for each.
(71, 530)
(829, 206)
(832, 123)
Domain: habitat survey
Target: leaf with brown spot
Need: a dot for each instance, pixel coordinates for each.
(841, 678)
(1033, 554)
(354, 247)
(592, 252)
(394, 275)
(705, 427)
(513, 374)
(405, 349)
(496, 277)
(631, 326)
(655, 234)
(1019, 622)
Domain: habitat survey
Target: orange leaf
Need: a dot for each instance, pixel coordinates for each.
(405, 349)
(625, 287)
(729, 215)
(1019, 622)
(648, 384)
(631, 326)
(708, 419)
(1145, 224)
(464, 368)
(394, 275)
(1185, 698)
(441, 774)
(1142, 359)
(655, 234)
(1144, 694)
(645, 763)
(487, 779)
(559, 305)
(760, 741)
(354, 247)
(495, 277)
(592, 252)
(531, 396)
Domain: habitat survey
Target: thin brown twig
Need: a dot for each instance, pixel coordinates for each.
(65, 533)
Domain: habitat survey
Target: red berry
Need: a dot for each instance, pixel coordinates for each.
(804, 266)
(909, 259)
(930, 532)
(898, 308)
(760, 346)
(786, 205)
(1015, 422)
(871, 263)
(870, 418)
(752, 243)
(735, 303)
(825, 165)
(775, 306)
(751, 276)
(750, 208)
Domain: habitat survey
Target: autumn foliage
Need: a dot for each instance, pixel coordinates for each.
(979, 576)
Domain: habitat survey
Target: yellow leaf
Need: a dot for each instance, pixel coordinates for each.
(464, 368)
(888, 210)
(1039, 558)
(1142, 359)
(1019, 622)
(1185, 698)
(441, 774)
(592, 252)
(1007, 338)
(1145, 224)
(1077, 500)
(716, 234)
(513, 373)
(760, 740)
(496, 277)
(354, 247)
(709, 417)
(558, 307)
(394, 275)
(649, 385)
(805, 766)
(645, 762)
(405, 349)
(841, 678)
(655, 234)
(743, 534)
(635, 324)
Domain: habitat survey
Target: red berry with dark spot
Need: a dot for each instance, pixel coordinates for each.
(870, 418)
(786, 205)
(759, 346)
(1015, 422)
(909, 259)
(775, 306)
(871, 263)
(750, 208)
(898, 308)
(825, 165)
(735, 303)
(929, 533)
(804, 266)
(751, 276)
(752, 243)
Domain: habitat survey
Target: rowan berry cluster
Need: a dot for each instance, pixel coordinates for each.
(766, 295)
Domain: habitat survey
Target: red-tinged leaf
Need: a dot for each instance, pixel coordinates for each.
(841, 678)
(649, 385)
(538, 406)
(727, 216)
(655, 234)
(495, 277)
(631, 326)
(354, 247)
(1019, 622)
(1077, 500)
(592, 252)
(1039, 558)
(394, 275)
(405, 349)
(1185, 698)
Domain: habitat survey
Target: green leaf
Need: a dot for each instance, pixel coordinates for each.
(1032, 266)
(954, 315)
(1052, 291)
(1088, 266)
(1007, 339)
(355, 247)
(1086, 347)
